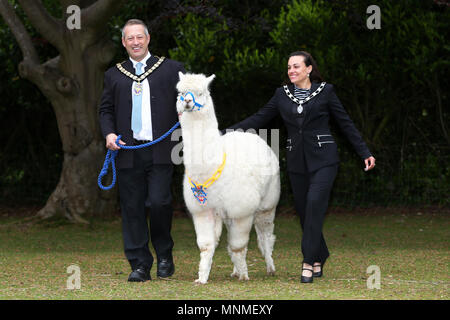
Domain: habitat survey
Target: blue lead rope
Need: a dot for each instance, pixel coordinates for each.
(111, 156)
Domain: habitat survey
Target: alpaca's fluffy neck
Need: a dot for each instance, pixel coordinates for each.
(202, 147)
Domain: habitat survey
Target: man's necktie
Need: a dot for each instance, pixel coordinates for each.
(136, 114)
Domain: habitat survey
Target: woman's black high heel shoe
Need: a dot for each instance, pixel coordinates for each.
(304, 279)
(318, 274)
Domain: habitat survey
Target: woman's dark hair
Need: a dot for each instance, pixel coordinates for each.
(309, 61)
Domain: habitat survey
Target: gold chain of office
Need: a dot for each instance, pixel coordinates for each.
(142, 76)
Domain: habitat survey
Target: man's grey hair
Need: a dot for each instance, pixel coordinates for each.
(134, 22)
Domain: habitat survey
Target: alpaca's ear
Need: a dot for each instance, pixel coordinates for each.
(210, 78)
(180, 74)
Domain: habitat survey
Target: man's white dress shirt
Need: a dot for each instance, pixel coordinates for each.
(146, 131)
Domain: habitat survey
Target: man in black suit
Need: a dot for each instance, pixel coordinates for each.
(139, 103)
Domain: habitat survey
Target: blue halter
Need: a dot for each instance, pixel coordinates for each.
(196, 104)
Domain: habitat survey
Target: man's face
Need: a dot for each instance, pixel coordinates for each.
(136, 41)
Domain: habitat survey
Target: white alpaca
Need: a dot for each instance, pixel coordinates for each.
(246, 191)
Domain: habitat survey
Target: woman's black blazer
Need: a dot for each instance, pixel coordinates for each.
(309, 137)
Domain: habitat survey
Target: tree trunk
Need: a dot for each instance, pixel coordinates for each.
(75, 95)
(77, 194)
(73, 84)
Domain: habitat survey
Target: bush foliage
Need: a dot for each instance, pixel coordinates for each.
(392, 81)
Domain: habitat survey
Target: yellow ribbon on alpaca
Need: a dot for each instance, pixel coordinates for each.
(198, 190)
(214, 177)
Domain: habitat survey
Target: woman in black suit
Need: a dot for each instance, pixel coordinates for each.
(306, 105)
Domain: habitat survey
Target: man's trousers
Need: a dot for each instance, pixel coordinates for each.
(144, 187)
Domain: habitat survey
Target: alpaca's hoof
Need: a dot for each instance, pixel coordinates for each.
(271, 271)
(234, 275)
(199, 281)
(243, 277)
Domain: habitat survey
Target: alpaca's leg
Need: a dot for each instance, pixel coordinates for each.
(266, 239)
(204, 228)
(227, 223)
(217, 228)
(260, 238)
(238, 235)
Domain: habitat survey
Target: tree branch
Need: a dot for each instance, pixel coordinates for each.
(100, 12)
(20, 33)
(49, 27)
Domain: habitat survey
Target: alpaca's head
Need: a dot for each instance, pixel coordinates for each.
(194, 93)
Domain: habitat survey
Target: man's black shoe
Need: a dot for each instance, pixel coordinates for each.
(166, 268)
(140, 275)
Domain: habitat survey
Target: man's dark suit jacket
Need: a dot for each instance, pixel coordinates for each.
(116, 105)
(309, 138)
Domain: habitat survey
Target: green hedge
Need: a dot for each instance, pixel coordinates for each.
(393, 83)
(385, 78)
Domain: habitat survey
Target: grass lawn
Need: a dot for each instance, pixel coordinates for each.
(411, 250)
